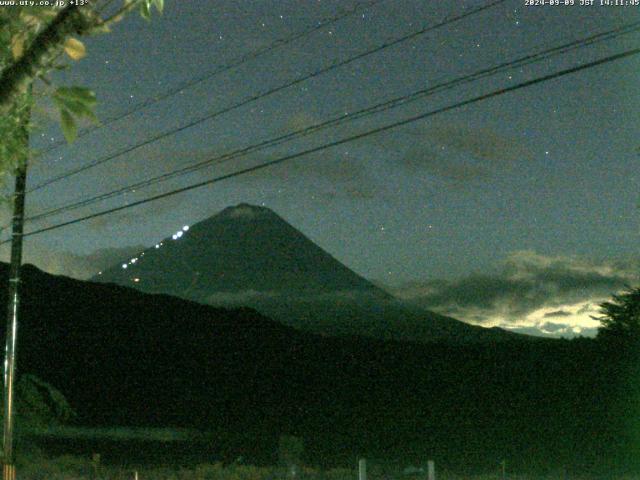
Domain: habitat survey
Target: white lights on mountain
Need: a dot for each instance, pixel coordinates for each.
(134, 260)
(179, 233)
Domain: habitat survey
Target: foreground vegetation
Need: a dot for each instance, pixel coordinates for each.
(77, 468)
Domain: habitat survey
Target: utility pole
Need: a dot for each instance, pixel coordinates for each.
(9, 469)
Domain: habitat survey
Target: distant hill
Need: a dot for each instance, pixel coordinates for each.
(250, 256)
(123, 357)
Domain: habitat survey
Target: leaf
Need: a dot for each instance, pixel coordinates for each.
(79, 109)
(76, 94)
(116, 18)
(17, 46)
(159, 4)
(39, 14)
(100, 27)
(75, 48)
(83, 93)
(30, 20)
(145, 10)
(69, 128)
(78, 101)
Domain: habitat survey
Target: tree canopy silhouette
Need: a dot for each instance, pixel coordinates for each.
(620, 319)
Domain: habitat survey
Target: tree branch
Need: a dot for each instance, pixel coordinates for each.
(17, 77)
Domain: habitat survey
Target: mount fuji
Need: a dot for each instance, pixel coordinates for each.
(250, 256)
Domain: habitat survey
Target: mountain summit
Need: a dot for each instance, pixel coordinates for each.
(250, 256)
(243, 250)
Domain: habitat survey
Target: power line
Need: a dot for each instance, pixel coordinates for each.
(359, 136)
(398, 101)
(341, 119)
(222, 69)
(265, 94)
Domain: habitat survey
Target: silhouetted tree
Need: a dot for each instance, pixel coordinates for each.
(620, 319)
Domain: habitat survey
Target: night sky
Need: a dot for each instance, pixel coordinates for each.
(519, 211)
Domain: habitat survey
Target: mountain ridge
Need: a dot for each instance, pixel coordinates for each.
(248, 255)
(261, 251)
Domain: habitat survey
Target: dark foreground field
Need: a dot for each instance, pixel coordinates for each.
(79, 468)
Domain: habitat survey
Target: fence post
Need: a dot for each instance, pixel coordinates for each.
(362, 469)
(431, 470)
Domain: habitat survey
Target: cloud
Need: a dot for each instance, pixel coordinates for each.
(240, 298)
(244, 297)
(557, 313)
(155, 161)
(70, 264)
(553, 330)
(481, 143)
(450, 151)
(456, 152)
(330, 175)
(132, 216)
(528, 290)
(98, 260)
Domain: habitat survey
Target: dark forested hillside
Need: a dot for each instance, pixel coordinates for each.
(123, 357)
